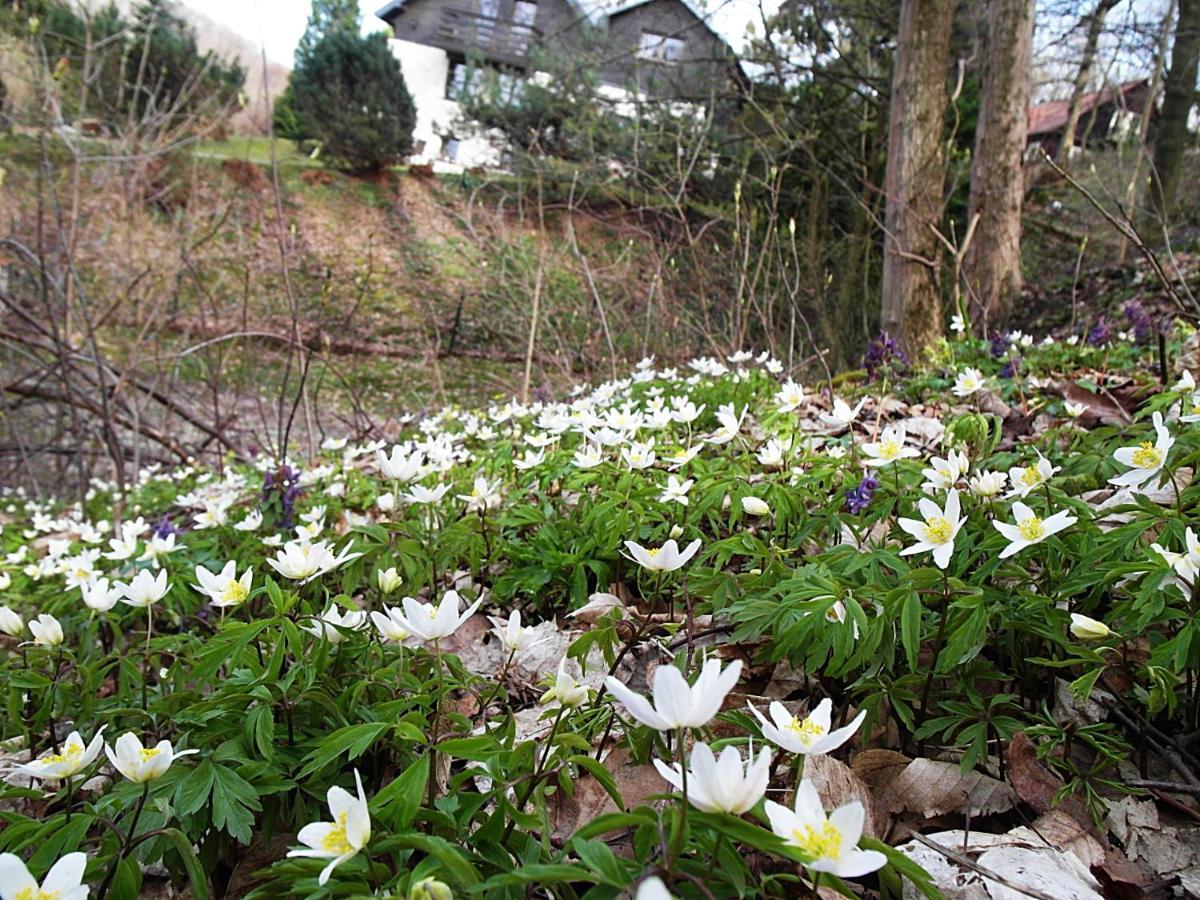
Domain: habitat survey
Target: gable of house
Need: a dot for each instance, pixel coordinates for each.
(503, 32)
(662, 48)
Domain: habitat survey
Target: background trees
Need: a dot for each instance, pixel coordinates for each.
(349, 93)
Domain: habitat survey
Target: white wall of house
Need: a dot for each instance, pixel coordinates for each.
(439, 119)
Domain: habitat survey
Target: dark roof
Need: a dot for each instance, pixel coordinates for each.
(1048, 118)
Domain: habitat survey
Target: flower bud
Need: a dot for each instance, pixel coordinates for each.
(430, 889)
(1087, 629)
(10, 622)
(388, 580)
(676, 532)
(46, 631)
(753, 506)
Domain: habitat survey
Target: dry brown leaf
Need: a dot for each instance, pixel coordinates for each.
(1035, 784)
(837, 785)
(1057, 829)
(589, 800)
(931, 788)
(1096, 407)
(599, 604)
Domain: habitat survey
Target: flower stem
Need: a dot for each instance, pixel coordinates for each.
(127, 846)
(681, 832)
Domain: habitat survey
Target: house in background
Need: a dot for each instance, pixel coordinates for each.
(656, 49)
(1105, 117)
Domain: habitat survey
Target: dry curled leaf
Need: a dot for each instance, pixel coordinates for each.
(931, 788)
(589, 799)
(837, 785)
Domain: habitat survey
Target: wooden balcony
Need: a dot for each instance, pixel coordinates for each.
(494, 39)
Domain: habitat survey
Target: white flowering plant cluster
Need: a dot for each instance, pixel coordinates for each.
(392, 670)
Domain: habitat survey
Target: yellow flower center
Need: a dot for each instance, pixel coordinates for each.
(938, 530)
(234, 592)
(653, 552)
(1032, 529)
(1147, 456)
(70, 753)
(889, 449)
(823, 844)
(808, 730)
(336, 841)
(38, 894)
(1031, 477)
(149, 753)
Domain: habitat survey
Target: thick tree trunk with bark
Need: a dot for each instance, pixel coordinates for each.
(992, 265)
(1095, 24)
(916, 173)
(1179, 93)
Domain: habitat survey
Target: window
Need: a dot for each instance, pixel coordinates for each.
(524, 13)
(465, 81)
(660, 48)
(523, 17)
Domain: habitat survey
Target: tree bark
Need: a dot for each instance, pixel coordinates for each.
(916, 174)
(992, 265)
(1179, 93)
(1095, 24)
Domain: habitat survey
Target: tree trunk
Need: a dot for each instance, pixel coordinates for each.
(916, 174)
(992, 265)
(1179, 92)
(1095, 24)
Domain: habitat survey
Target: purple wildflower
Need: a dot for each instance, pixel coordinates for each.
(1099, 335)
(165, 528)
(1000, 344)
(1011, 367)
(859, 497)
(282, 488)
(1143, 325)
(883, 351)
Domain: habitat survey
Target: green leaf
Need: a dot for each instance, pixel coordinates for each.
(910, 630)
(234, 802)
(905, 866)
(191, 862)
(478, 748)
(600, 859)
(353, 740)
(193, 789)
(401, 799)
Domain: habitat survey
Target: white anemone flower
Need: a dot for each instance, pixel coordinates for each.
(937, 531)
(141, 764)
(722, 784)
(676, 491)
(72, 758)
(225, 588)
(676, 703)
(332, 623)
(566, 691)
(432, 624)
(145, 589)
(341, 839)
(666, 558)
(944, 474)
(304, 560)
(842, 415)
(811, 735)
(968, 382)
(400, 466)
(889, 448)
(513, 636)
(1145, 460)
(10, 622)
(1029, 529)
(64, 881)
(100, 595)
(830, 843)
(790, 396)
(1027, 478)
(46, 630)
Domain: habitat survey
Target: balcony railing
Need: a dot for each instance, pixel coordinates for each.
(495, 39)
